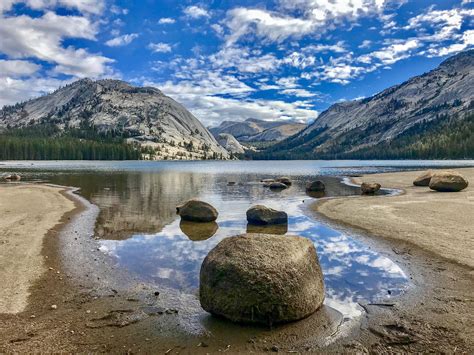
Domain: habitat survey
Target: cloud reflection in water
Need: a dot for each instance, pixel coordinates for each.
(353, 272)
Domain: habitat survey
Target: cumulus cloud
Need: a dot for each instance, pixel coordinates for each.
(195, 12)
(159, 47)
(166, 21)
(17, 68)
(15, 90)
(122, 40)
(42, 37)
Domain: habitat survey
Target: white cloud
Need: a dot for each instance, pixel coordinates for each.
(299, 93)
(313, 15)
(84, 6)
(166, 21)
(195, 12)
(17, 68)
(15, 90)
(159, 47)
(392, 53)
(42, 37)
(121, 40)
(316, 48)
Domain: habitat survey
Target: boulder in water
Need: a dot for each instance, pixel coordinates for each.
(315, 186)
(424, 179)
(369, 188)
(261, 215)
(197, 211)
(448, 181)
(259, 278)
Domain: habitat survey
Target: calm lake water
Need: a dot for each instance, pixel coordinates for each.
(139, 227)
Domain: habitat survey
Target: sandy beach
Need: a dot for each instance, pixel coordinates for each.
(29, 214)
(442, 223)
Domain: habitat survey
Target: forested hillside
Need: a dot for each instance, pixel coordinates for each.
(47, 142)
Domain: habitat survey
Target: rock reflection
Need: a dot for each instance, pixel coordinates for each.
(271, 229)
(198, 231)
(316, 194)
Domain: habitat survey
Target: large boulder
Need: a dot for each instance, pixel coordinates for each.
(259, 278)
(369, 188)
(448, 181)
(424, 179)
(261, 215)
(197, 211)
(315, 186)
(284, 180)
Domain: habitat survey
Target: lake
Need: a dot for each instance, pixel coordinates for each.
(138, 226)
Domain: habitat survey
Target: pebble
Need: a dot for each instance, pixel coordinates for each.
(88, 311)
(32, 316)
(54, 306)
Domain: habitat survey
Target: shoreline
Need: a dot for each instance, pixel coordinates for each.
(95, 313)
(436, 311)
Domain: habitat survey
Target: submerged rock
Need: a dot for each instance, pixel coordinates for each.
(448, 181)
(368, 188)
(197, 211)
(277, 186)
(315, 186)
(424, 179)
(261, 215)
(259, 278)
(284, 180)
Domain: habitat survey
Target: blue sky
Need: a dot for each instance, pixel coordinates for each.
(230, 60)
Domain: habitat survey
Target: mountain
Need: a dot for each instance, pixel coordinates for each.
(142, 116)
(254, 130)
(229, 142)
(428, 116)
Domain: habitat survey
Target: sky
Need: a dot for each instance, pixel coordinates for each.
(230, 60)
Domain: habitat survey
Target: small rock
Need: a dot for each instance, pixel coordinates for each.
(88, 311)
(231, 183)
(369, 188)
(203, 345)
(54, 306)
(262, 215)
(157, 293)
(197, 211)
(32, 316)
(275, 349)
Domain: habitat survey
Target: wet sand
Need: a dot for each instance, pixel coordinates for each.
(442, 223)
(29, 213)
